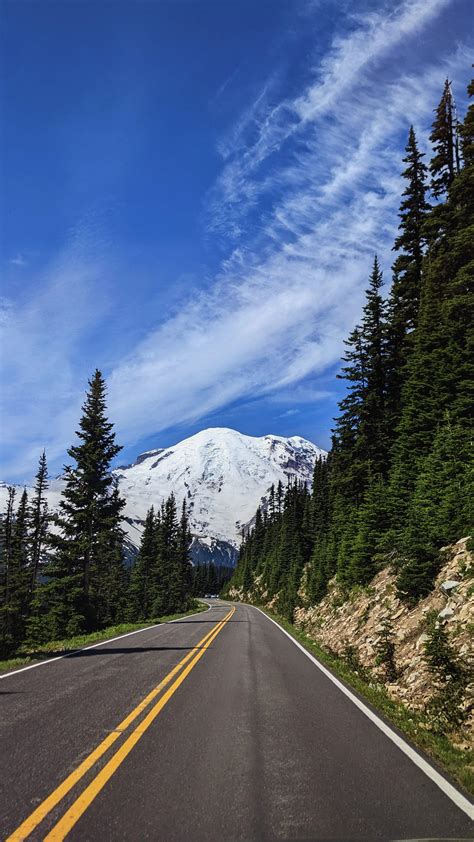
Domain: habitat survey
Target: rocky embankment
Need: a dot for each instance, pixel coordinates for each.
(357, 622)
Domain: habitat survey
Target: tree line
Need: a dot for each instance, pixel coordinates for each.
(397, 484)
(64, 574)
(210, 579)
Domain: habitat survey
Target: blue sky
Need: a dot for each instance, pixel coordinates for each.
(192, 194)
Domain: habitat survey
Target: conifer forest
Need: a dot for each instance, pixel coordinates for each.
(398, 482)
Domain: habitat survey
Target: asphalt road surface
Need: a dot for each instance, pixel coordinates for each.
(215, 727)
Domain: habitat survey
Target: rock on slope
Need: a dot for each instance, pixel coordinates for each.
(357, 620)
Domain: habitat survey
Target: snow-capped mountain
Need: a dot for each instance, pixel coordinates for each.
(224, 475)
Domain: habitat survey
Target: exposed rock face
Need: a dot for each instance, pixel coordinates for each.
(359, 620)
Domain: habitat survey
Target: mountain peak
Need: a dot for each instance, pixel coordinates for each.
(223, 475)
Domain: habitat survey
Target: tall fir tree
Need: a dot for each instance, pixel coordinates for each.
(184, 559)
(141, 594)
(15, 607)
(404, 299)
(444, 137)
(454, 263)
(6, 532)
(74, 598)
(39, 520)
(373, 441)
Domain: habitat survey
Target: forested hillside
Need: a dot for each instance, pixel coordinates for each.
(398, 483)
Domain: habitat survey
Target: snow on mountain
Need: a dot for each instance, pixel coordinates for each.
(224, 475)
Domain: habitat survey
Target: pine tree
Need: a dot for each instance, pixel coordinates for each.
(39, 520)
(372, 522)
(441, 508)
(445, 163)
(407, 269)
(172, 574)
(141, 587)
(321, 568)
(349, 462)
(114, 579)
(171, 557)
(440, 370)
(372, 442)
(455, 265)
(404, 301)
(424, 398)
(74, 598)
(14, 609)
(184, 561)
(7, 525)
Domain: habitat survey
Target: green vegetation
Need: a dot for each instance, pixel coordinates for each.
(28, 655)
(386, 652)
(417, 726)
(398, 483)
(209, 579)
(447, 709)
(66, 582)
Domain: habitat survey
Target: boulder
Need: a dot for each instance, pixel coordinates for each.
(450, 585)
(423, 638)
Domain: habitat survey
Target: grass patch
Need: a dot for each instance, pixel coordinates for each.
(27, 655)
(415, 725)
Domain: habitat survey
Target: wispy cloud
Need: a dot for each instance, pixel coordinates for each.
(19, 260)
(318, 178)
(289, 413)
(225, 84)
(267, 127)
(285, 300)
(42, 335)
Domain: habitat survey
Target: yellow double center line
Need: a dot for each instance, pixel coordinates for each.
(80, 805)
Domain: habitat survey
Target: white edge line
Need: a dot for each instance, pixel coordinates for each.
(102, 643)
(416, 758)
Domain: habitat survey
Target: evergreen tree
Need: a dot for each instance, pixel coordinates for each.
(184, 561)
(349, 462)
(445, 163)
(6, 535)
(141, 587)
(372, 441)
(75, 597)
(407, 269)
(440, 509)
(6, 530)
(404, 301)
(321, 568)
(454, 263)
(172, 572)
(372, 522)
(39, 520)
(15, 603)
(440, 370)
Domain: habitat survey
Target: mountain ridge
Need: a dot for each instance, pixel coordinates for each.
(223, 475)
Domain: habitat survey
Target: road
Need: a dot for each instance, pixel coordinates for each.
(215, 727)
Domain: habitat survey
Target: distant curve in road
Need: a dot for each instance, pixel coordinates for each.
(215, 727)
